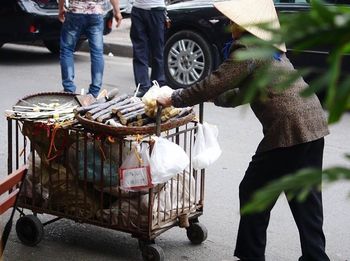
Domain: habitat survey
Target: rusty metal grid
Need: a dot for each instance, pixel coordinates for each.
(77, 180)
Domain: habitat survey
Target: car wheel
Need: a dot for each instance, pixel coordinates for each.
(188, 59)
(54, 45)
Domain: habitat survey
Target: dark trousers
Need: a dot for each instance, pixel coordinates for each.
(147, 36)
(308, 214)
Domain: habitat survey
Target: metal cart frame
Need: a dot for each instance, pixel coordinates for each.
(143, 214)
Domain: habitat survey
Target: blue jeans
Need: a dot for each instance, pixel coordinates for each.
(147, 37)
(91, 25)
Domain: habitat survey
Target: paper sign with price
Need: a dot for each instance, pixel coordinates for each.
(135, 178)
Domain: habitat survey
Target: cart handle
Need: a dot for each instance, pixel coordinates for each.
(159, 120)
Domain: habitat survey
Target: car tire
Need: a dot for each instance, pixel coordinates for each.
(54, 45)
(188, 59)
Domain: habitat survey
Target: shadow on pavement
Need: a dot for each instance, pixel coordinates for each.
(13, 55)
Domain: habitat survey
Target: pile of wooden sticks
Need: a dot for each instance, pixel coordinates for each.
(123, 110)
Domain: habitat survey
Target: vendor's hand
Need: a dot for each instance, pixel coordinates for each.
(164, 96)
(118, 18)
(165, 101)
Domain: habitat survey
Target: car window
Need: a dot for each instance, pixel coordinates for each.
(291, 1)
(47, 4)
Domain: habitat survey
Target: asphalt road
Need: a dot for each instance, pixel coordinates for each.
(27, 70)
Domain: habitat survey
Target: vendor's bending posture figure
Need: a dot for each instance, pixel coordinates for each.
(293, 127)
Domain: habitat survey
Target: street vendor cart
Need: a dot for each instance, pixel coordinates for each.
(73, 174)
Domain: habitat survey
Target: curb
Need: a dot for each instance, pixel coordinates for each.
(116, 49)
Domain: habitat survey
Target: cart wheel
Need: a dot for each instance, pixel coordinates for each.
(29, 230)
(197, 233)
(152, 252)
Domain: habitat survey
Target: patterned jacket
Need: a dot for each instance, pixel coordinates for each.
(287, 118)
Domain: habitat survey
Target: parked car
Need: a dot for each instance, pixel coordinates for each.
(198, 33)
(37, 20)
(125, 6)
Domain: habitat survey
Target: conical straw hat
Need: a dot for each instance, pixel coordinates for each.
(248, 13)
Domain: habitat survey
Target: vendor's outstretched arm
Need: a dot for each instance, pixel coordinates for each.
(226, 77)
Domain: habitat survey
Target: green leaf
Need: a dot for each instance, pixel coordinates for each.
(316, 85)
(321, 12)
(296, 185)
(341, 101)
(254, 53)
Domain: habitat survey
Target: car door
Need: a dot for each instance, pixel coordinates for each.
(8, 21)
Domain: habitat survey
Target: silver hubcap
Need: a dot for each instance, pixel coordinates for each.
(186, 62)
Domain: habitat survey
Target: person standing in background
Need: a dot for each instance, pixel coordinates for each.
(83, 17)
(148, 19)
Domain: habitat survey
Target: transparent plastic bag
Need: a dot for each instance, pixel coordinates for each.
(167, 159)
(135, 172)
(206, 149)
(150, 101)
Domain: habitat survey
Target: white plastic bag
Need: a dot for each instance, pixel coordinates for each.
(206, 149)
(150, 100)
(151, 105)
(167, 160)
(165, 91)
(135, 171)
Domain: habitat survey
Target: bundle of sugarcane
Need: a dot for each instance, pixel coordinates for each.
(142, 120)
(105, 109)
(174, 113)
(116, 112)
(130, 112)
(124, 110)
(167, 113)
(42, 112)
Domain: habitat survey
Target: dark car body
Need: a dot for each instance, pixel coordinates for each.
(197, 27)
(36, 20)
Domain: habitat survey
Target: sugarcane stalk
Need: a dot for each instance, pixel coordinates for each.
(39, 115)
(31, 108)
(102, 106)
(141, 120)
(141, 116)
(169, 113)
(105, 117)
(129, 117)
(129, 105)
(144, 121)
(127, 110)
(108, 109)
(81, 110)
(184, 112)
